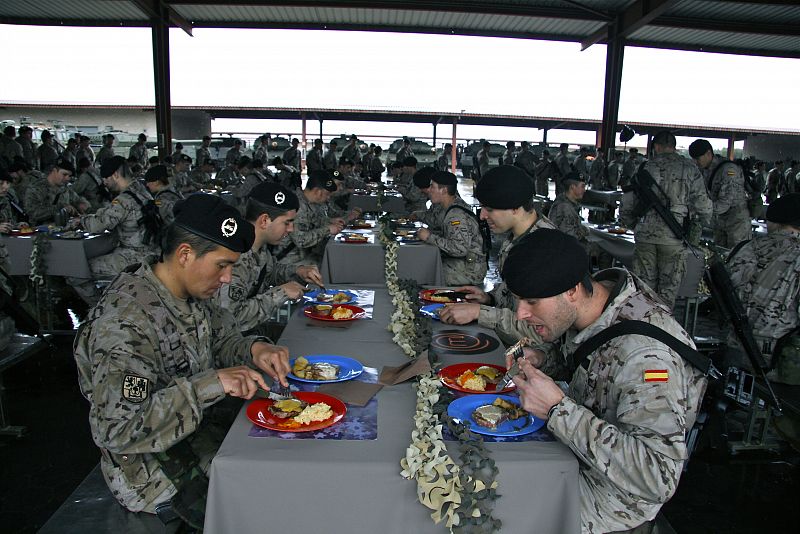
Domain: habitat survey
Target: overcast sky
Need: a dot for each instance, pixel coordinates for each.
(301, 68)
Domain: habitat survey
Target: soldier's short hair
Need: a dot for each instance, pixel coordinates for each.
(175, 235)
(206, 138)
(10, 131)
(665, 138)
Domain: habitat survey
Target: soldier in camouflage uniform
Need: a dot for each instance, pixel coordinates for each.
(252, 178)
(84, 150)
(725, 184)
(404, 151)
(10, 211)
(107, 150)
(565, 213)
(155, 355)
(443, 161)
(483, 160)
(262, 152)
(331, 160)
(352, 150)
(46, 197)
(659, 257)
(181, 180)
(229, 177)
(259, 284)
(460, 241)
(627, 413)
(157, 181)
(10, 149)
(291, 156)
(314, 157)
(415, 199)
(90, 186)
(313, 227)
(506, 205)
(201, 174)
(47, 153)
(25, 140)
(509, 154)
(376, 167)
(766, 275)
(431, 217)
(544, 171)
(526, 160)
(122, 216)
(139, 151)
(202, 153)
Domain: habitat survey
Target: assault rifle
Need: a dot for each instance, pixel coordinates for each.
(716, 275)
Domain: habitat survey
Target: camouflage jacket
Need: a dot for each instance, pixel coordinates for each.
(565, 214)
(88, 186)
(201, 155)
(415, 199)
(526, 160)
(147, 364)
(9, 149)
(403, 153)
(502, 315)
(725, 182)
(228, 177)
(122, 215)
(28, 151)
(199, 179)
(181, 181)
(314, 160)
(232, 156)
(352, 152)
(43, 201)
(310, 235)
(291, 157)
(432, 217)
(251, 311)
(628, 432)
(138, 151)
(766, 275)
(461, 245)
(686, 196)
(165, 200)
(87, 153)
(48, 155)
(262, 154)
(330, 160)
(241, 192)
(104, 154)
(443, 162)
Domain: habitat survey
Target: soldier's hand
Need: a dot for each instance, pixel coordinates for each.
(310, 274)
(241, 381)
(83, 206)
(423, 234)
(462, 313)
(534, 356)
(272, 359)
(5, 227)
(475, 294)
(335, 228)
(70, 209)
(293, 290)
(537, 391)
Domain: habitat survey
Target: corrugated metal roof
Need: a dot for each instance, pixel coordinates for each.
(760, 12)
(711, 40)
(122, 10)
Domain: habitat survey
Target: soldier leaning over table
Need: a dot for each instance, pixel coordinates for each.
(433, 217)
(156, 359)
(45, 197)
(627, 414)
(460, 242)
(90, 186)
(312, 225)
(506, 196)
(259, 284)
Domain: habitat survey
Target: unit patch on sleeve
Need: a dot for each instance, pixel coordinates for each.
(135, 388)
(656, 375)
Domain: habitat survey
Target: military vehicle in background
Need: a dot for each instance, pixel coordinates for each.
(470, 152)
(425, 153)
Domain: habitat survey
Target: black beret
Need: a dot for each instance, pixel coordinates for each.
(111, 165)
(185, 158)
(410, 161)
(275, 196)
(335, 174)
(65, 165)
(444, 178)
(699, 147)
(156, 173)
(320, 179)
(422, 178)
(544, 264)
(210, 217)
(346, 161)
(785, 210)
(503, 188)
(573, 176)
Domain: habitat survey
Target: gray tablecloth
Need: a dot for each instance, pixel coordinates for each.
(392, 204)
(353, 487)
(619, 246)
(65, 257)
(363, 263)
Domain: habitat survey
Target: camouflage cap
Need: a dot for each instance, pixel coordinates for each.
(505, 187)
(210, 217)
(544, 264)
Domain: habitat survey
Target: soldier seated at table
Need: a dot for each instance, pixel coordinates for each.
(252, 177)
(137, 234)
(156, 356)
(630, 405)
(90, 186)
(22, 176)
(164, 194)
(506, 197)
(46, 197)
(259, 284)
(11, 213)
(230, 177)
(432, 217)
(312, 226)
(180, 179)
(415, 199)
(765, 272)
(201, 174)
(460, 241)
(338, 205)
(565, 213)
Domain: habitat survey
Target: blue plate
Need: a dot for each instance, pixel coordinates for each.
(462, 408)
(312, 296)
(348, 368)
(428, 310)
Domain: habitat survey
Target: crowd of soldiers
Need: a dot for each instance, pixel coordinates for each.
(177, 312)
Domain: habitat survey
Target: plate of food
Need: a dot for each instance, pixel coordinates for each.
(324, 368)
(306, 411)
(334, 312)
(619, 230)
(494, 415)
(360, 224)
(353, 238)
(473, 377)
(331, 296)
(441, 295)
(431, 310)
(71, 234)
(25, 230)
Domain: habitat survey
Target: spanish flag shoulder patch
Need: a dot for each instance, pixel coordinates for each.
(455, 223)
(656, 375)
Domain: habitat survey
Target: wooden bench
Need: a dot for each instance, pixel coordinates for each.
(92, 508)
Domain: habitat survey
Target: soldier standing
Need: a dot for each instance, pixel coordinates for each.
(376, 167)
(262, 152)
(10, 149)
(526, 160)
(483, 160)
(509, 155)
(562, 166)
(659, 257)
(84, 150)
(155, 357)
(68, 154)
(291, 156)
(443, 161)
(544, 171)
(630, 405)
(565, 213)
(25, 140)
(725, 184)
(203, 153)
(107, 150)
(352, 151)
(47, 153)
(314, 158)
(331, 160)
(138, 151)
(404, 151)
(597, 172)
(234, 153)
(460, 241)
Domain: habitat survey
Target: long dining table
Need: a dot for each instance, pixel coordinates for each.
(353, 486)
(65, 257)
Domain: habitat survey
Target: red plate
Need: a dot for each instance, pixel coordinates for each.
(425, 295)
(358, 313)
(449, 374)
(258, 413)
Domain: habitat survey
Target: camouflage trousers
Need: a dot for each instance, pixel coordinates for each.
(104, 267)
(732, 227)
(464, 271)
(661, 267)
(542, 187)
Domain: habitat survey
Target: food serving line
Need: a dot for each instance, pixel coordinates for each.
(346, 478)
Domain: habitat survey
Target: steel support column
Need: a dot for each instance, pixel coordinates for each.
(320, 128)
(161, 79)
(731, 149)
(615, 51)
(434, 134)
(544, 137)
(453, 152)
(304, 143)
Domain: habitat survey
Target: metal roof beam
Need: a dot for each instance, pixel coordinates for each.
(150, 8)
(728, 26)
(637, 15)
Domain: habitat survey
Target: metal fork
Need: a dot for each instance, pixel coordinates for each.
(515, 350)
